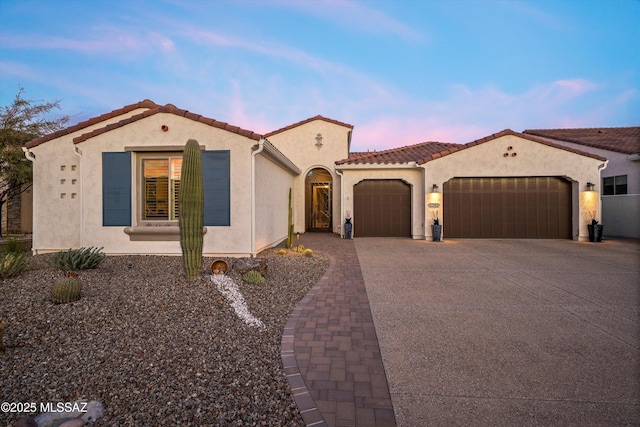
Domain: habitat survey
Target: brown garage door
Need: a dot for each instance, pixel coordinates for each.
(518, 208)
(382, 208)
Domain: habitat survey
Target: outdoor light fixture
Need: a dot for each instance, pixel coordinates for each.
(591, 186)
(319, 140)
(434, 189)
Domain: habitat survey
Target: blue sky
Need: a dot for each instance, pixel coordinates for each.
(402, 72)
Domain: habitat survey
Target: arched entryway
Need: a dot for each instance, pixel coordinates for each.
(318, 200)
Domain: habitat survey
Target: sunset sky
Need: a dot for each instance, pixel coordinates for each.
(402, 71)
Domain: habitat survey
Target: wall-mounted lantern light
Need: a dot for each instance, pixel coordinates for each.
(435, 188)
(319, 140)
(591, 186)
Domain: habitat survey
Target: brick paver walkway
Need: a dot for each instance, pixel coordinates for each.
(330, 349)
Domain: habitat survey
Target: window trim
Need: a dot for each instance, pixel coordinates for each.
(615, 185)
(138, 191)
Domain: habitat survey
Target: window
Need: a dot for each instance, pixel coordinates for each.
(614, 185)
(160, 187)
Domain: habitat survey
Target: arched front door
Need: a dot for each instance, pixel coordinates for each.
(318, 200)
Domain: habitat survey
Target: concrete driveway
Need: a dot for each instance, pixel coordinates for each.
(507, 332)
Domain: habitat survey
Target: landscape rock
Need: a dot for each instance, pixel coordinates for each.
(247, 264)
(152, 347)
(94, 411)
(75, 422)
(26, 422)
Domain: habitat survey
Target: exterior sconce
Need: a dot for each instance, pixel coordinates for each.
(591, 186)
(435, 188)
(319, 140)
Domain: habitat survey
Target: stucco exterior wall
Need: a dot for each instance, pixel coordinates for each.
(412, 175)
(525, 158)
(57, 220)
(618, 164)
(299, 145)
(272, 186)
(621, 216)
(620, 213)
(56, 190)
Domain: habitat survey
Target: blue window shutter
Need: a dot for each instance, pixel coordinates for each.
(216, 177)
(116, 189)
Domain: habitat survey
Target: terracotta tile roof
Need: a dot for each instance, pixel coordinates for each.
(427, 151)
(505, 133)
(410, 153)
(622, 140)
(309, 120)
(95, 120)
(170, 109)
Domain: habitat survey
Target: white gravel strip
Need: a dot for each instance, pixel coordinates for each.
(231, 292)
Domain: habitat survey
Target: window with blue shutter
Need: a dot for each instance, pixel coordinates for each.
(216, 177)
(116, 189)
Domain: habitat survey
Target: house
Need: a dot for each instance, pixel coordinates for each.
(112, 182)
(620, 180)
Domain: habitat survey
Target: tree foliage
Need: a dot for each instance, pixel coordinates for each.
(20, 122)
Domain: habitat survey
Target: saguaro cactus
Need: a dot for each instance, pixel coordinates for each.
(191, 203)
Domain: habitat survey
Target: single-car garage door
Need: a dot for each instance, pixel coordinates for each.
(511, 208)
(382, 208)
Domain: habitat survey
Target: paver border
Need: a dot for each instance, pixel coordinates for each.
(301, 395)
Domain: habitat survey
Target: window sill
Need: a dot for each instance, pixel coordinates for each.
(155, 233)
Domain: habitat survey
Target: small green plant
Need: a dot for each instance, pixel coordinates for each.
(308, 253)
(12, 264)
(66, 290)
(253, 277)
(79, 259)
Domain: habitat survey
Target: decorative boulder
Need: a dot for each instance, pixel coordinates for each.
(26, 422)
(247, 264)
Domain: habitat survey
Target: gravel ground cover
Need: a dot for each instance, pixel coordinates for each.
(152, 347)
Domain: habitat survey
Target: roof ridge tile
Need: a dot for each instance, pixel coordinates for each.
(168, 109)
(309, 120)
(146, 103)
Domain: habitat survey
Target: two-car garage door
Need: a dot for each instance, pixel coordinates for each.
(504, 207)
(520, 208)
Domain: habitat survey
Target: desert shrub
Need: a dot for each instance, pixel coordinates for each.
(12, 264)
(79, 259)
(308, 253)
(253, 277)
(282, 251)
(66, 290)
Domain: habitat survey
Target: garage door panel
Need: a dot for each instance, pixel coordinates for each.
(382, 208)
(523, 207)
